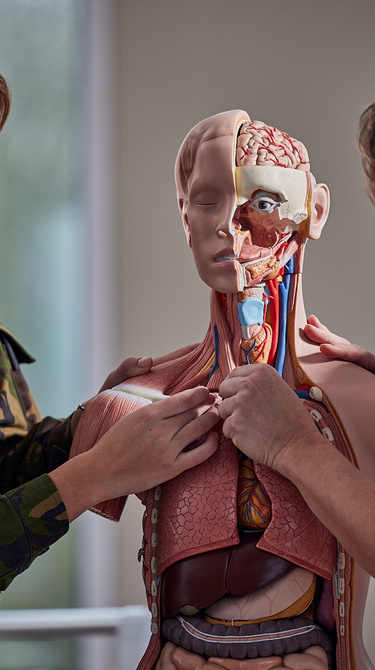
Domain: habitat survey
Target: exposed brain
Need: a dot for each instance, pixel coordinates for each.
(259, 144)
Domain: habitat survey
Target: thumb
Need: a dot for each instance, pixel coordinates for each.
(130, 367)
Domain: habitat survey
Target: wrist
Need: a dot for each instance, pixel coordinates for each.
(77, 485)
(296, 459)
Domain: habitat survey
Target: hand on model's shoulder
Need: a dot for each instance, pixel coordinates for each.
(335, 346)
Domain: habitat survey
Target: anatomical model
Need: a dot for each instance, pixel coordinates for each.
(236, 566)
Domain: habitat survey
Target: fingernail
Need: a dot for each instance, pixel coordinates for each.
(218, 399)
(144, 361)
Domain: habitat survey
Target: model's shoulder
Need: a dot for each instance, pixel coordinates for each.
(350, 390)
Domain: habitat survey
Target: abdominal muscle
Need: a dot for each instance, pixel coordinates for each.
(279, 598)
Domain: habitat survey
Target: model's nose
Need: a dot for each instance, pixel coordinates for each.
(228, 223)
(223, 228)
(236, 220)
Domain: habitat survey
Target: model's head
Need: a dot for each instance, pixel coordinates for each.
(4, 102)
(366, 145)
(247, 199)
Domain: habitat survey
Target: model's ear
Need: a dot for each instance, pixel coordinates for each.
(319, 209)
(182, 204)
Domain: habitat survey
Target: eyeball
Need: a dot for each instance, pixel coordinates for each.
(264, 202)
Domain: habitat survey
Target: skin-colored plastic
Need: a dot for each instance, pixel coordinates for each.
(226, 233)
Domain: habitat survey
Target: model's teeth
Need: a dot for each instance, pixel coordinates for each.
(226, 257)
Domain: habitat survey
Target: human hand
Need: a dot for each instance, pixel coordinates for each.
(132, 367)
(148, 444)
(334, 346)
(142, 449)
(263, 416)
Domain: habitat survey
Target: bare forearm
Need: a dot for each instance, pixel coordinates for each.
(281, 434)
(78, 485)
(338, 494)
(142, 449)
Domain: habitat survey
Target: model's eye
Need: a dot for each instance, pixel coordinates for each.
(264, 202)
(266, 205)
(207, 197)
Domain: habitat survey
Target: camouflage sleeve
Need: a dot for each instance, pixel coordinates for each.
(29, 446)
(32, 513)
(45, 447)
(32, 517)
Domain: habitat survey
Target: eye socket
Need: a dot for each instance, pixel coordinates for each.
(264, 202)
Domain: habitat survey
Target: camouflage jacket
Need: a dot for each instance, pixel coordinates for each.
(32, 514)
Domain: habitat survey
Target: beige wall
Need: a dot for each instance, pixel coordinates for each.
(306, 67)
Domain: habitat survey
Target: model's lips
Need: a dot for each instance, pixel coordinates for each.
(226, 255)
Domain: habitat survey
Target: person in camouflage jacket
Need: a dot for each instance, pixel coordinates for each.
(32, 513)
(42, 490)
